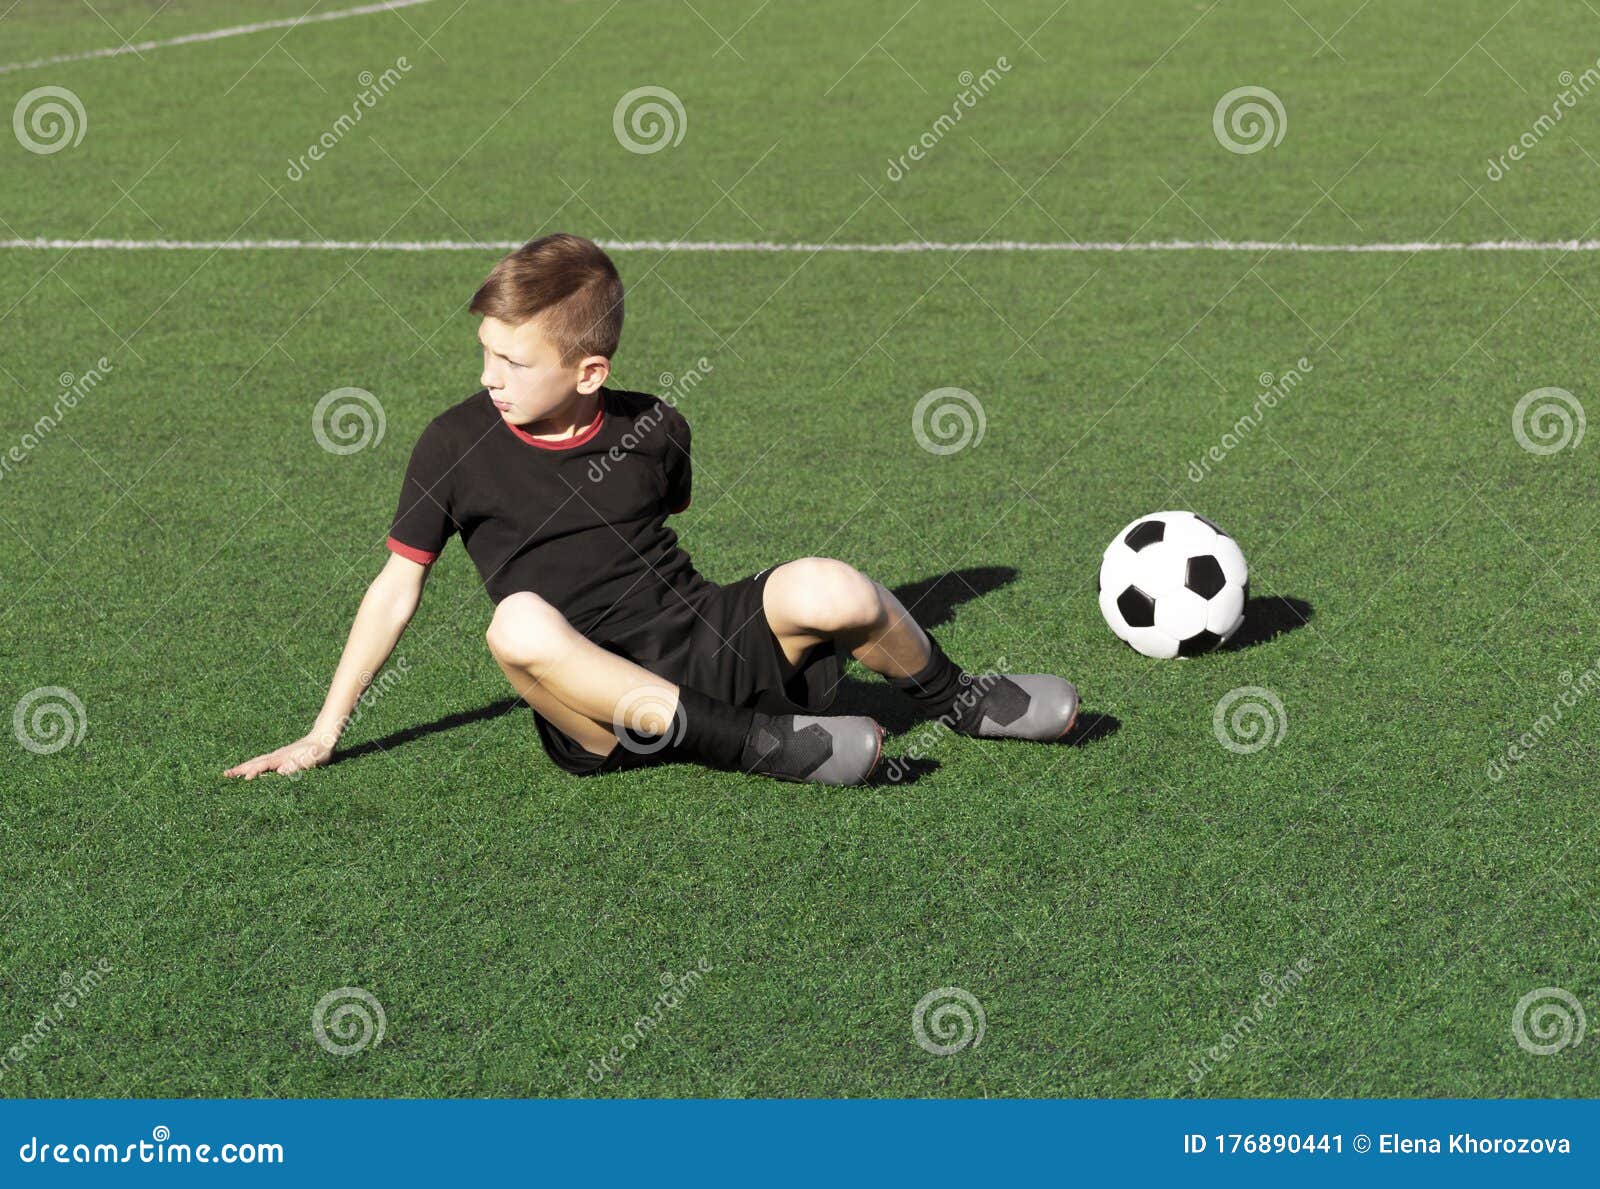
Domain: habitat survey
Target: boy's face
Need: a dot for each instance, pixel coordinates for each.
(523, 372)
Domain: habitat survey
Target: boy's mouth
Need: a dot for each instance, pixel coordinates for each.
(502, 405)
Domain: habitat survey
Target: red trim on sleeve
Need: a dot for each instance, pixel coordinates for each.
(421, 556)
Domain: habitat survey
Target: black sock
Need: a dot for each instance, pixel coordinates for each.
(937, 686)
(708, 731)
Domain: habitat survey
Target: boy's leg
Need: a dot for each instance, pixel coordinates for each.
(550, 663)
(817, 598)
(593, 736)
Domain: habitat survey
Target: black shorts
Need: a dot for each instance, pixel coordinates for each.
(729, 652)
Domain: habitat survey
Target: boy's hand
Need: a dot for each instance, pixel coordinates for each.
(311, 752)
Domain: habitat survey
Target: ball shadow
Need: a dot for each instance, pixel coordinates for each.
(1268, 617)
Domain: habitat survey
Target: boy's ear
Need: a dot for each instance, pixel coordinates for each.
(593, 371)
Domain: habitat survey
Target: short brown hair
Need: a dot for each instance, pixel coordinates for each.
(570, 281)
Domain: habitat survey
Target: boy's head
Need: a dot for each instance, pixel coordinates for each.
(552, 315)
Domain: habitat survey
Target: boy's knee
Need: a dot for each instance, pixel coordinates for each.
(836, 596)
(523, 629)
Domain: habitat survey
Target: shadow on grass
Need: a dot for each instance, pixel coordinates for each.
(1091, 728)
(1268, 617)
(422, 730)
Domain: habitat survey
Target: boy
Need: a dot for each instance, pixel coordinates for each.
(560, 489)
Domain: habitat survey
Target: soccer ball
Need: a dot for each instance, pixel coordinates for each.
(1173, 584)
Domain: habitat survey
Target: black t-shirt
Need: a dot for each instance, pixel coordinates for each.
(581, 522)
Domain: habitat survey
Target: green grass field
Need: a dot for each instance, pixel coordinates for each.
(184, 558)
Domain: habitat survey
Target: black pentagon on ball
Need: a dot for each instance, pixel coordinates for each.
(1138, 609)
(1204, 576)
(1146, 532)
(1202, 641)
(1208, 524)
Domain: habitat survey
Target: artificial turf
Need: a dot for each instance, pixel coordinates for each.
(185, 559)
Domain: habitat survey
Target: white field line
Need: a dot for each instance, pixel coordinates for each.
(214, 35)
(658, 245)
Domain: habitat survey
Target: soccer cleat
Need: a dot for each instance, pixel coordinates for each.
(834, 750)
(1034, 706)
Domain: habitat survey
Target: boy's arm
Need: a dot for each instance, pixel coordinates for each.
(385, 610)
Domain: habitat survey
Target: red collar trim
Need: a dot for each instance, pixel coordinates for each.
(576, 439)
